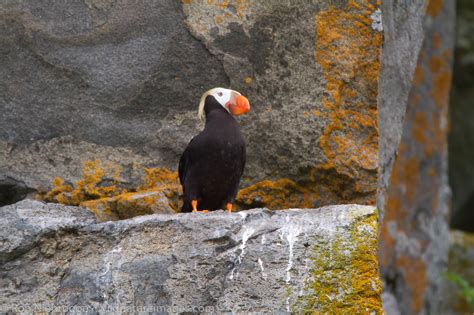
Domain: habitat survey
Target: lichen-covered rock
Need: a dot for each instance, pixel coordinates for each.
(321, 260)
(120, 82)
(101, 191)
(414, 229)
(403, 38)
(129, 205)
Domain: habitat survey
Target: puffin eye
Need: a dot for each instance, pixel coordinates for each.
(220, 94)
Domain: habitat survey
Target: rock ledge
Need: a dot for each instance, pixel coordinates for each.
(55, 256)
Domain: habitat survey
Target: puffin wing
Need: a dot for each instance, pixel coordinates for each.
(184, 162)
(244, 160)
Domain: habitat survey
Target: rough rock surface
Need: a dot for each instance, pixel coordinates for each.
(129, 205)
(120, 81)
(321, 259)
(403, 38)
(414, 230)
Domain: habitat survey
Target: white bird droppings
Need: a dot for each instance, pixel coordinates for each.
(290, 233)
(260, 263)
(377, 20)
(245, 237)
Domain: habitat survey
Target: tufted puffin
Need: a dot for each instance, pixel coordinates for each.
(213, 162)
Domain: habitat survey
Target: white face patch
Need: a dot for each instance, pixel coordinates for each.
(223, 96)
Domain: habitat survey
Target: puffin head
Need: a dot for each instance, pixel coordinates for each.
(232, 101)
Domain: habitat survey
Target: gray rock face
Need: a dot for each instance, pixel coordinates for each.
(403, 38)
(120, 81)
(414, 230)
(260, 261)
(101, 74)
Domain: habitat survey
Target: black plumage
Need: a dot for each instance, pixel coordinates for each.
(213, 162)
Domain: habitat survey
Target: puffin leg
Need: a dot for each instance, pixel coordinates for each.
(228, 206)
(194, 203)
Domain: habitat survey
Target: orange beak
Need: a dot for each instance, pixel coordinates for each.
(240, 107)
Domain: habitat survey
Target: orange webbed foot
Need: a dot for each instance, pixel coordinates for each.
(202, 211)
(194, 203)
(228, 206)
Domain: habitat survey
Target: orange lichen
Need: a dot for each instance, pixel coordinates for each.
(419, 76)
(166, 181)
(218, 19)
(436, 63)
(408, 176)
(420, 127)
(158, 177)
(441, 88)
(436, 39)
(128, 205)
(281, 194)
(434, 7)
(99, 190)
(415, 270)
(223, 4)
(411, 177)
(323, 186)
(91, 186)
(348, 49)
(385, 257)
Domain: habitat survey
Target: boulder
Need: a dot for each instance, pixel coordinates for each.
(403, 38)
(57, 257)
(414, 234)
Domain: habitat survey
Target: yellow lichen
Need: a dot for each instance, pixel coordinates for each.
(248, 80)
(346, 279)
